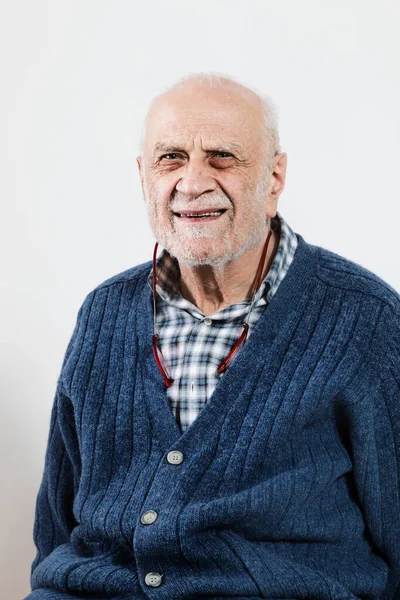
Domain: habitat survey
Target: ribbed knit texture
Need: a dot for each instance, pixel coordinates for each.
(290, 481)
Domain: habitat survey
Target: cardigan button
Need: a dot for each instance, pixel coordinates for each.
(148, 517)
(175, 457)
(153, 579)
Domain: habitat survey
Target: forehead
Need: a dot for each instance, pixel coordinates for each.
(206, 116)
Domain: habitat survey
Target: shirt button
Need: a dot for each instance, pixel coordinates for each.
(148, 517)
(153, 579)
(207, 321)
(175, 457)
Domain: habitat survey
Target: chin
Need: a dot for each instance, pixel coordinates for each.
(198, 258)
(198, 261)
(216, 250)
(203, 252)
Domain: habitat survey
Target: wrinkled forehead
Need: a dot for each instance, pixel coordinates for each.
(213, 118)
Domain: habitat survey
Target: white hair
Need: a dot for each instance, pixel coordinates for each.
(215, 80)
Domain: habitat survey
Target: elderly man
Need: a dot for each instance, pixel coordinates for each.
(226, 422)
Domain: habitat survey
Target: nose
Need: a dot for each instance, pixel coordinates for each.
(196, 179)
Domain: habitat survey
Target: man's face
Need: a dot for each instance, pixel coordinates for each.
(204, 154)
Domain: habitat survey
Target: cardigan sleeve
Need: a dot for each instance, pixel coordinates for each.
(373, 421)
(54, 518)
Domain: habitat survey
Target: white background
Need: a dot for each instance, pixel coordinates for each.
(76, 77)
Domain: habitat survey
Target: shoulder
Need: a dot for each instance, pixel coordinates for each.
(376, 300)
(135, 278)
(341, 272)
(133, 274)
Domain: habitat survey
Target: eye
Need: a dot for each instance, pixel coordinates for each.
(222, 160)
(223, 155)
(170, 156)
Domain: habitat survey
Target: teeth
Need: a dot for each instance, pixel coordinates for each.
(209, 214)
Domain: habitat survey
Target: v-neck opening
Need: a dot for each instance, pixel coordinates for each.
(293, 290)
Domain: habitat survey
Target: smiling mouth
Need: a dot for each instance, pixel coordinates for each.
(198, 215)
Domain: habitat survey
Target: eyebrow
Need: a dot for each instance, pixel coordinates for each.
(219, 148)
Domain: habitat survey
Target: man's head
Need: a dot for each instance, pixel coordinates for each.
(210, 145)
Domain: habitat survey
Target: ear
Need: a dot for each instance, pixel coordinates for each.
(139, 160)
(277, 182)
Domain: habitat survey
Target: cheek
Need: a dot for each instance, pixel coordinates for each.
(241, 190)
(160, 192)
(250, 209)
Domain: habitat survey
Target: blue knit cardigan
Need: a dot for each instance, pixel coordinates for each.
(288, 481)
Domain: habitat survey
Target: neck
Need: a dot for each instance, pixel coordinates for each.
(214, 288)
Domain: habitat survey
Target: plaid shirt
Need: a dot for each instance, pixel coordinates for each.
(194, 345)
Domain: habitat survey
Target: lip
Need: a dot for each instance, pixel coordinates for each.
(182, 215)
(199, 212)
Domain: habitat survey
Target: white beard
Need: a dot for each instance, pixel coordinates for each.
(179, 242)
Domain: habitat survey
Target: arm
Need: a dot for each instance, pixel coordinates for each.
(373, 418)
(54, 519)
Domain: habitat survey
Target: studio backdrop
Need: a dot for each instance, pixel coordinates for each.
(76, 79)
